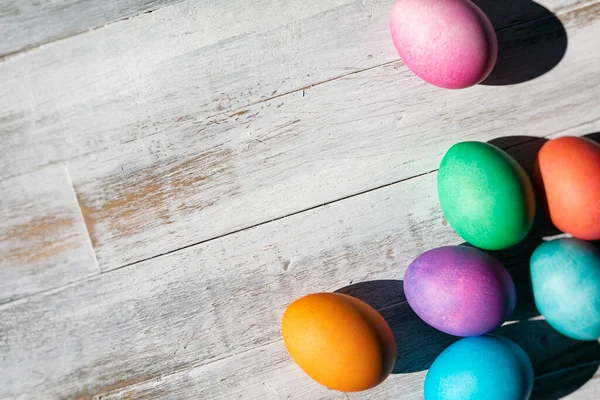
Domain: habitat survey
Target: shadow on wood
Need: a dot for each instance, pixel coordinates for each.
(528, 50)
(524, 149)
(594, 136)
(572, 362)
(561, 364)
(418, 344)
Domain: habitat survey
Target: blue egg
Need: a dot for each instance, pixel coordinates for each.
(565, 275)
(483, 367)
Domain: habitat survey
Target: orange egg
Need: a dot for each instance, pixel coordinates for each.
(568, 176)
(339, 341)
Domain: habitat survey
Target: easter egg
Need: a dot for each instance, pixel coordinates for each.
(448, 43)
(459, 290)
(480, 368)
(339, 341)
(565, 275)
(568, 177)
(485, 195)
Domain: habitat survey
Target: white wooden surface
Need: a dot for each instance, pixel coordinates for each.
(175, 68)
(43, 239)
(227, 158)
(297, 151)
(28, 23)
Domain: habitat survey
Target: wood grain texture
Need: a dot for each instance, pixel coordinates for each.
(43, 239)
(213, 120)
(269, 373)
(204, 322)
(210, 301)
(287, 154)
(171, 70)
(28, 23)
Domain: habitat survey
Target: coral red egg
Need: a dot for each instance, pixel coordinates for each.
(448, 43)
(568, 178)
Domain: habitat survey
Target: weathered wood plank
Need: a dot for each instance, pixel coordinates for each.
(269, 373)
(189, 309)
(263, 373)
(209, 301)
(291, 153)
(43, 239)
(561, 365)
(27, 23)
(170, 70)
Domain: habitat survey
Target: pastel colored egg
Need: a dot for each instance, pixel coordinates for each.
(448, 43)
(565, 275)
(568, 177)
(459, 290)
(480, 368)
(339, 341)
(485, 195)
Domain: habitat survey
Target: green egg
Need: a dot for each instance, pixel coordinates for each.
(485, 195)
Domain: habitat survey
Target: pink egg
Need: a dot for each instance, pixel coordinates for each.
(448, 43)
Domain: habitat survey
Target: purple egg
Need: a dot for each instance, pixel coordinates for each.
(460, 290)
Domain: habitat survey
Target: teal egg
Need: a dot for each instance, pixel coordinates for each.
(565, 275)
(485, 195)
(480, 368)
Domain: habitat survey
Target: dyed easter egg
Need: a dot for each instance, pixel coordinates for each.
(568, 177)
(459, 290)
(448, 43)
(480, 368)
(485, 195)
(565, 275)
(339, 341)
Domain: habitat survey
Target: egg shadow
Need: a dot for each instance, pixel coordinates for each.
(417, 344)
(530, 43)
(561, 365)
(593, 136)
(524, 149)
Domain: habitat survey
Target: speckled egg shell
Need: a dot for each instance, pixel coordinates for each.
(459, 290)
(448, 43)
(480, 368)
(565, 275)
(486, 195)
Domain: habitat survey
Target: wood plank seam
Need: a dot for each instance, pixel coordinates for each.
(295, 213)
(129, 388)
(561, 11)
(58, 288)
(17, 53)
(190, 368)
(83, 218)
(274, 219)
